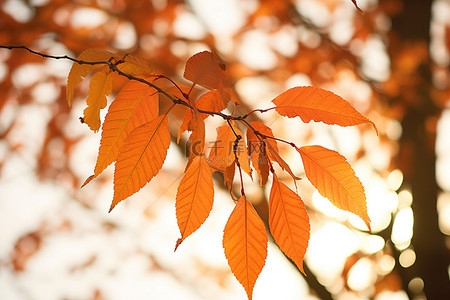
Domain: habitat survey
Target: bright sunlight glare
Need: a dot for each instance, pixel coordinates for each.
(328, 248)
(361, 275)
(402, 230)
(407, 258)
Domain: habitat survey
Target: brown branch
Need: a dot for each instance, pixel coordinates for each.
(81, 62)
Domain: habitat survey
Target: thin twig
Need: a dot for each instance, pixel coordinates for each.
(81, 62)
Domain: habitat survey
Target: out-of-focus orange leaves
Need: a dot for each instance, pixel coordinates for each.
(194, 198)
(245, 244)
(141, 158)
(288, 222)
(312, 103)
(331, 174)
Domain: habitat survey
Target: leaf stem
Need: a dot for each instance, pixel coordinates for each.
(236, 159)
(255, 110)
(281, 140)
(81, 62)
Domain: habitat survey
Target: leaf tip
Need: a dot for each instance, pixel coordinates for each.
(179, 241)
(367, 222)
(113, 204)
(375, 127)
(89, 179)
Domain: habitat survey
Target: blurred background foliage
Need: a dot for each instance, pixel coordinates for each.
(390, 60)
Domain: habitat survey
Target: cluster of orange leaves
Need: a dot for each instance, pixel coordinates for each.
(136, 137)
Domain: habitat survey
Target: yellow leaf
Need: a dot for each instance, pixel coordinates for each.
(140, 158)
(331, 174)
(99, 87)
(245, 244)
(79, 71)
(194, 198)
(134, 65)
(288, 222)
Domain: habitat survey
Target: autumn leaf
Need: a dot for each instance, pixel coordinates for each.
(135, 65)
(228, 178)
(274, 156)
(194, 198)
(245, 244)
(210, 101)
(257, 150)
(331, 174)
(140, 158)
(311, 103)
(135, 105)
(288, 222)
(79, 71)
(205, 69)
(99, 87)
(197, 137)
(221, 154)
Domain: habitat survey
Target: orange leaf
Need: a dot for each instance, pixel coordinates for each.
(245, 244)
(79, 71)
(140, 158)
(262, 128)
(221, 154)
(135, 105)
(99, 87)
(134, 65)
(228, 177)
(311, 103)
(205, 69)
(288, 222)
(334, 178)
(195, 197)
(258, 152)
(197, 137)
(274, 156)
(210, 101)
(184, 124)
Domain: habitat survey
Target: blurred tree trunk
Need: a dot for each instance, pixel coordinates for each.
(417, 157)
